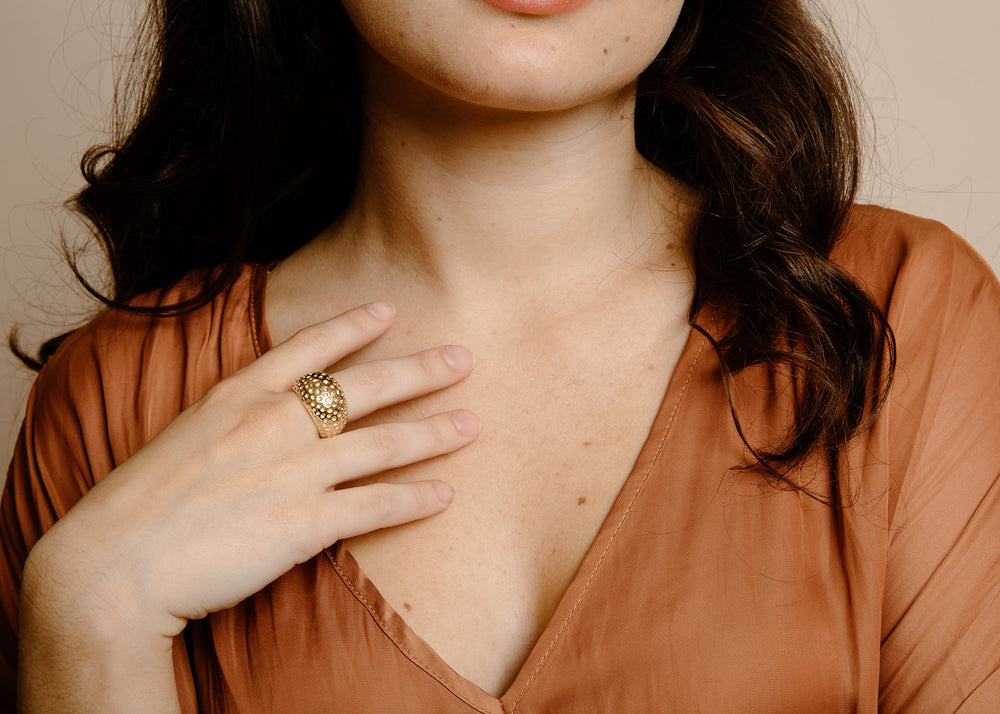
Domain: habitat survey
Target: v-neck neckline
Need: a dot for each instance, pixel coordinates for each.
(412, 645)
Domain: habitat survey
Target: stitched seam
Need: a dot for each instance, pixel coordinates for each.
(253, 311)
(385, 629)
(614, 533)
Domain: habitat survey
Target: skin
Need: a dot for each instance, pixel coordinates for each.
(502, 206)
(476, 54)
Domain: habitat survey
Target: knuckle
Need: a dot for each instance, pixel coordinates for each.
(361, 320)
(311, 337)
(372, 379)
(225, 391)
(254, 415)
(236, 390)
(297, 522)
(425, 498)
(430, 365)
(260, 420)
(387, 443)
(384, 500)
(439, 435)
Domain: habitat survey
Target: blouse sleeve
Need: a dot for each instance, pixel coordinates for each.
(109, 389)
(61, 448)
(941, 616)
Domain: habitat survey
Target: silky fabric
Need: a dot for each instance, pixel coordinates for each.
(707, 588)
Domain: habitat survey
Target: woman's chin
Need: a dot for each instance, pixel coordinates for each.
(487, 58)
(534, 97)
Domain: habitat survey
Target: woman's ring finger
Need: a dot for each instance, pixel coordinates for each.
(373, 385)
(324, 400)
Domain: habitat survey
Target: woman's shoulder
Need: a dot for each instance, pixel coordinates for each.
(940, 296)
(128, 334)
(125, 365)
(942, 302)
(897, 256)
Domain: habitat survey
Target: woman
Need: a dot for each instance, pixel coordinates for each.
(692, 485)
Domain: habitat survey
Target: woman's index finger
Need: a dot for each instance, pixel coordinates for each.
(319, 345)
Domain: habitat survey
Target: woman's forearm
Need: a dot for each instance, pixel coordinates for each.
(79, 653)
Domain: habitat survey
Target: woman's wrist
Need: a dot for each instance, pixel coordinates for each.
(82, 648)
(101, 596)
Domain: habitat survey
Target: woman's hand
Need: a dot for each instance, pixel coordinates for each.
(239, 488)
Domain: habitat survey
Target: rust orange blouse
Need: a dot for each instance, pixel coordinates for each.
(705, 589)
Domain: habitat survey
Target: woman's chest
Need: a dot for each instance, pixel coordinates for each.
(480, 582)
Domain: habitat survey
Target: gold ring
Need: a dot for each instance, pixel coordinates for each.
(324, 400)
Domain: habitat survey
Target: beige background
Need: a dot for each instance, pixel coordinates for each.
(928, 67)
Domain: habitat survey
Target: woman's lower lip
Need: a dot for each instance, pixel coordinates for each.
(538, 7)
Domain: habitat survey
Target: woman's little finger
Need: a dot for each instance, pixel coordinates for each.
(362, 509)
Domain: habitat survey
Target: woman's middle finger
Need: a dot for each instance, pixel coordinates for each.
(370, 386)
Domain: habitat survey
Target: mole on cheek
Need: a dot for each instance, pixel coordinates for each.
(581, 500)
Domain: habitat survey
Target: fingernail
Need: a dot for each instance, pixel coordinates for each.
(466, 423)
(458, 358)
(444, 491)
(381, 310)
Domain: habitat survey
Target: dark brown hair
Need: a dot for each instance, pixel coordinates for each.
(244, 146)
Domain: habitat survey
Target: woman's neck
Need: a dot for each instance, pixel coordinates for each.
(464, 200)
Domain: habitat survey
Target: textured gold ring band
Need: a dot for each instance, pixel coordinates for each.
(324, 400)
